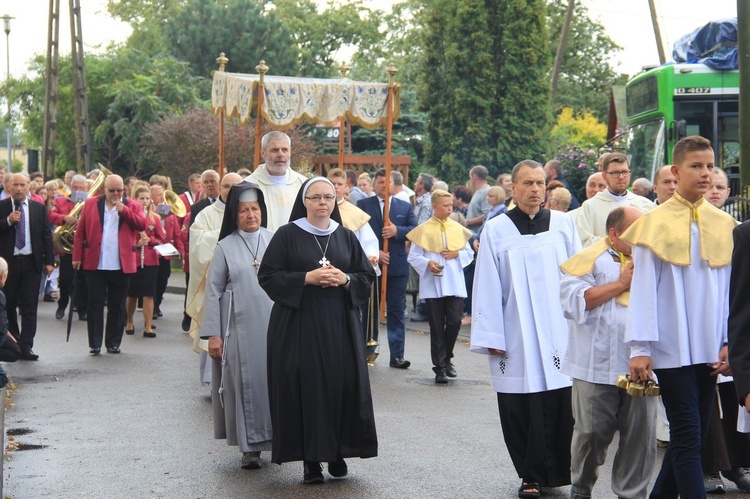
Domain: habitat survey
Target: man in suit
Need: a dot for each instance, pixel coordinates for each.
(105, 248)
(26, 243)
(739, 314)
(401, 221)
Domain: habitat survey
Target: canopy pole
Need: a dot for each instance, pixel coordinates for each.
(386, 208)
(222, 61)
(343, 68)
(262, 69)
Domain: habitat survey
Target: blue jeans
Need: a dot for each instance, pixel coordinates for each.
(688, 394)
(395, 299)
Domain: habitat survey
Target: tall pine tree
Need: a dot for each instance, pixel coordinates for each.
(484, 84)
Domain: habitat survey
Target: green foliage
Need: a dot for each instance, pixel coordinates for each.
(482, 108)
(586, 75)
(126, 90)
(582, 129)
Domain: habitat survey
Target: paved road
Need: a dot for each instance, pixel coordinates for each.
(138, 424)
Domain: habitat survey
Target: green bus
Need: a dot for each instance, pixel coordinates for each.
(667, 103)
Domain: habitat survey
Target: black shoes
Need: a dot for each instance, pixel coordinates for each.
(94, 351)
(186, 320)
(419, 318)
(157, 313)
(113, 349)
(83, 316)
(130, 331)
(441, 378)
(450, 371)
(400, 363)
(313, 472)
(29, 354)
(60, 313)
(149, 334)
(338, 469)
(251, 460)
(49, 298)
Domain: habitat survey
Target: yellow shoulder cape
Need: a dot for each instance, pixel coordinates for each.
(352, 217)
(583, 262)
(429, 235)
(665, 230)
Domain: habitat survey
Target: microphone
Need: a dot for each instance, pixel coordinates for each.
(17, 204)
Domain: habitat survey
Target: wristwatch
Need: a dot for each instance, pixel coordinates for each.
(348, 279)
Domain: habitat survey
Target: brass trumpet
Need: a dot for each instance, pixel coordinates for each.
(176, 204)
(64, 236)
(637, 388)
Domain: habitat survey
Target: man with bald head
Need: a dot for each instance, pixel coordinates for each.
(665, 184)
(594, 184)
(204, 234)
(105, 249)
(26, 244)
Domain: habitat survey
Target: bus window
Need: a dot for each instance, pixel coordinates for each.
(699, 117)
(729, 143)
(645, 148)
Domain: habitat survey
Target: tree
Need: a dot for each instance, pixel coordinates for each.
(483, 84)
(587, 74)
(583, 130)
(126, 90)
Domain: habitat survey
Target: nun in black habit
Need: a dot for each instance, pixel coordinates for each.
(315, 271)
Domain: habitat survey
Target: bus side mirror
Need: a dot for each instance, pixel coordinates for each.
(680, 130)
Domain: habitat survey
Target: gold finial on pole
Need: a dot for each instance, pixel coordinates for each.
(391, 73)
(344, 68)
(262, 69)
(222, 61)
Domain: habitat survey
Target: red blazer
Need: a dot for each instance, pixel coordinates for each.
(155, 232)
(63, 206)
(173, 233)
(88, 242)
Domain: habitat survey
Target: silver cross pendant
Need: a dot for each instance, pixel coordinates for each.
(324, 262)
(256, 264)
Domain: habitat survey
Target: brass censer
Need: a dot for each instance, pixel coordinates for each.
(637, 388)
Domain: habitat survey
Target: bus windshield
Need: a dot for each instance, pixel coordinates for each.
(645, 148)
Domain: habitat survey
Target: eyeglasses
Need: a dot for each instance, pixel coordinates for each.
(115, 191)
(316, 199)
(624, 173)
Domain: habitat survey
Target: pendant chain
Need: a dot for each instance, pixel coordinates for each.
(324, 262)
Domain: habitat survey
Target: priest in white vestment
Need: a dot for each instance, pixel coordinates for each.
(278, 182)
(595, 293)
(591, 218)
(518, 322)
(679, 306)
(204, 234)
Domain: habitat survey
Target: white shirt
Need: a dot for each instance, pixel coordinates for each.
(109, 256)
(516, 303)
(596, 340)
(452, 282)
(279, 193)
(591, 219)
(26, 250)
(677, 315)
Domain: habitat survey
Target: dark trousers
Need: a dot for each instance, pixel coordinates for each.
(469, 281)
(395, 301)
(444, 315)
(688, 394)
(112, 285)
(162, 279)
(22, 292)
(187, 284)
(66, 281)
(9, 350)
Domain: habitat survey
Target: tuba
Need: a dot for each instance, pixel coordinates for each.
(64, 235)
(175, 203)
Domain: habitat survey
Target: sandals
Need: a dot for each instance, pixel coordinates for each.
(530, 490)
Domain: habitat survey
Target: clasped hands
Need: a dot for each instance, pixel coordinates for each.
(326, 277)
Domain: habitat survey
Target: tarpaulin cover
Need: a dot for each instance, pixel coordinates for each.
(714, 45)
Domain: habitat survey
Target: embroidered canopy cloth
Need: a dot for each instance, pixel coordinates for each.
(290, 100)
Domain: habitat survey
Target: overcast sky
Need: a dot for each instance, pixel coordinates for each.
(627, 23)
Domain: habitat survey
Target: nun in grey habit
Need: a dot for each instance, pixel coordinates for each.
(235, 322)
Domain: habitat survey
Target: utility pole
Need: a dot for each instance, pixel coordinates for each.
(657, 32)
(743, 45)
(560, 55)
(50, 95)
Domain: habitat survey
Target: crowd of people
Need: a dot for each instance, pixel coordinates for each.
(285, 274)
